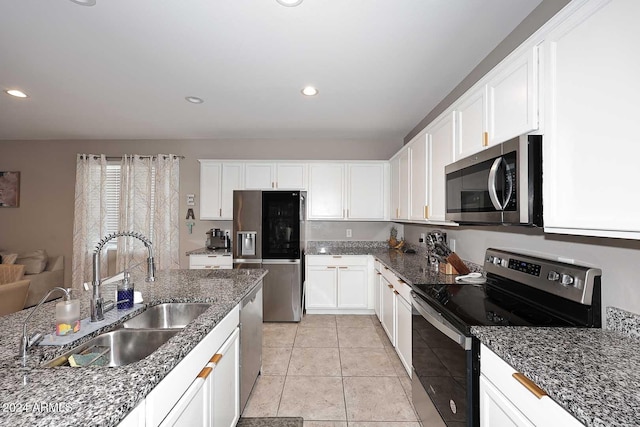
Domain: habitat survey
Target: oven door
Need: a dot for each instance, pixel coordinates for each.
(445, 369)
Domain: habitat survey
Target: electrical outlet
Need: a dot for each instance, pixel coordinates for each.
(452, 244)
(348, 232)
(423, 239)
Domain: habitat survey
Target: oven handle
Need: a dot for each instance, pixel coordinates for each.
(436, 319)
(493, 192)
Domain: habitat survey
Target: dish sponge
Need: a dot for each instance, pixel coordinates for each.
(93, 359)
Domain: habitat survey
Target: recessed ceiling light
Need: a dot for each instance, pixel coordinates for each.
(16, 93)
(289, 3)
(310, 91)
(85, 2)
(194, 99)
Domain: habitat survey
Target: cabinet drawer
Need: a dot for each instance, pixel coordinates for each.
(210, 261)
(337, 260)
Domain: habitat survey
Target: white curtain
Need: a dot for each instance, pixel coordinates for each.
(149, 196)
(90, 215)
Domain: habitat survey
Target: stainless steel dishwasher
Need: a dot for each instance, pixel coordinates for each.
(250, 343)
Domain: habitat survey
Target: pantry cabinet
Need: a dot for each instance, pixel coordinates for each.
(506, 402)
(590, 146)
(338, 284)
(275, 176)
(218, 180)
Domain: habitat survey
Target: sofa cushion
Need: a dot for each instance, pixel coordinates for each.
(34, 262)
(8, 258)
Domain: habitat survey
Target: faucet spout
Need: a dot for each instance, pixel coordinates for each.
(97, 302)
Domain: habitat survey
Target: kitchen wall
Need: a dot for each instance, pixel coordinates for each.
(618, 258)
(44, 219)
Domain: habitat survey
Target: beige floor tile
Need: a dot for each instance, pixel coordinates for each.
(376, 399)
(265, 397)
(354, 321)
(278, 334)
(405, 381)
(318, 321)
(316, 337)
(383, 337)
(383, 424)
(358, 337)
(275, 361)
(325, 423)
(323, 362)
(313, 398)
(395, 362)
(365, 362)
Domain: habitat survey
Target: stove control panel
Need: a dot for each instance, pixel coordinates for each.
(571, 281)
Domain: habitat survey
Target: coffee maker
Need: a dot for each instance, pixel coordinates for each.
(217, 239)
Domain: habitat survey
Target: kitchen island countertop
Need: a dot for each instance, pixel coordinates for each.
(103, 396)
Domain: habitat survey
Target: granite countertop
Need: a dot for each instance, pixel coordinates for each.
(411, 267)
(589, 372)
(102, 396)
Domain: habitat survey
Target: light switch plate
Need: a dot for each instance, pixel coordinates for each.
(348, 232)
(191, 199)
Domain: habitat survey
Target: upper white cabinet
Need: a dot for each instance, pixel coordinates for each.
(400, 185)
(512, 95)
(217, 182)
(367, 191)
(503, 105)
(326, 191)
(591, 145)
(349, 191)
(471, 119)
(441, 134)
(418, 179)
(281, 176)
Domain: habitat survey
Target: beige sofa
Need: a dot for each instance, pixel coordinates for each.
(41, 283)
(13, 288)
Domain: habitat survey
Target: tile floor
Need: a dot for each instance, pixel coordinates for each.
(334, 371)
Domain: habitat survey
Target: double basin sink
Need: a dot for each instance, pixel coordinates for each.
(134, 339)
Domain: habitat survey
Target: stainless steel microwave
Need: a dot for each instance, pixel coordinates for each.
(500, 185)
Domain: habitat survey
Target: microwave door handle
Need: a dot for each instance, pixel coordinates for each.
(493, 176)
(510, 186)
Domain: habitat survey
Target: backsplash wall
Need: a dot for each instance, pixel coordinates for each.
(618, 258)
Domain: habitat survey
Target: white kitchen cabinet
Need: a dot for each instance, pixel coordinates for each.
(160, 401)
(192, 409)
(441, 142)
(135, 418)
(512, 91)
(376, 288)
(418, 177)
(400, 185)
(271, 176)
(403, 331)
(218, 180)
(326, 191)
(338, 284)
(388, 310)
(471, 122)
(211, 261)
(225, 383)
(506, 402)
(591, 146)
(367, 191)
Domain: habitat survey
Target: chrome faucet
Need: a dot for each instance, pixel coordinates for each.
(97, 302)
(26, 342)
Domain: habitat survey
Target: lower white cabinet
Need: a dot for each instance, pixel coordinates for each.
(213, 262)
(377, 282)
(506, 402)
(338, 284)
(403, 331)
(203, 389)
(388, 310)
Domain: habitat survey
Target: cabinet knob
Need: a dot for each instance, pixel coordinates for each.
(390, 286)
(485, 139)
(529, 385)
(396, 292)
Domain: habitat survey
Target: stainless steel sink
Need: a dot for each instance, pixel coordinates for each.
(117, 348)
(169, 315)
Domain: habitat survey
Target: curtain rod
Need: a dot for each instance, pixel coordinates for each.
(144, 157)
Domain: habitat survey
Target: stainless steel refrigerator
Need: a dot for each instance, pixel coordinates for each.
(268, 231)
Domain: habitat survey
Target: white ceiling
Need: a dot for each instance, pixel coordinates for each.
(121, 69)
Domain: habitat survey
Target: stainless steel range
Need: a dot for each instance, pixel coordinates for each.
(520, 290)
